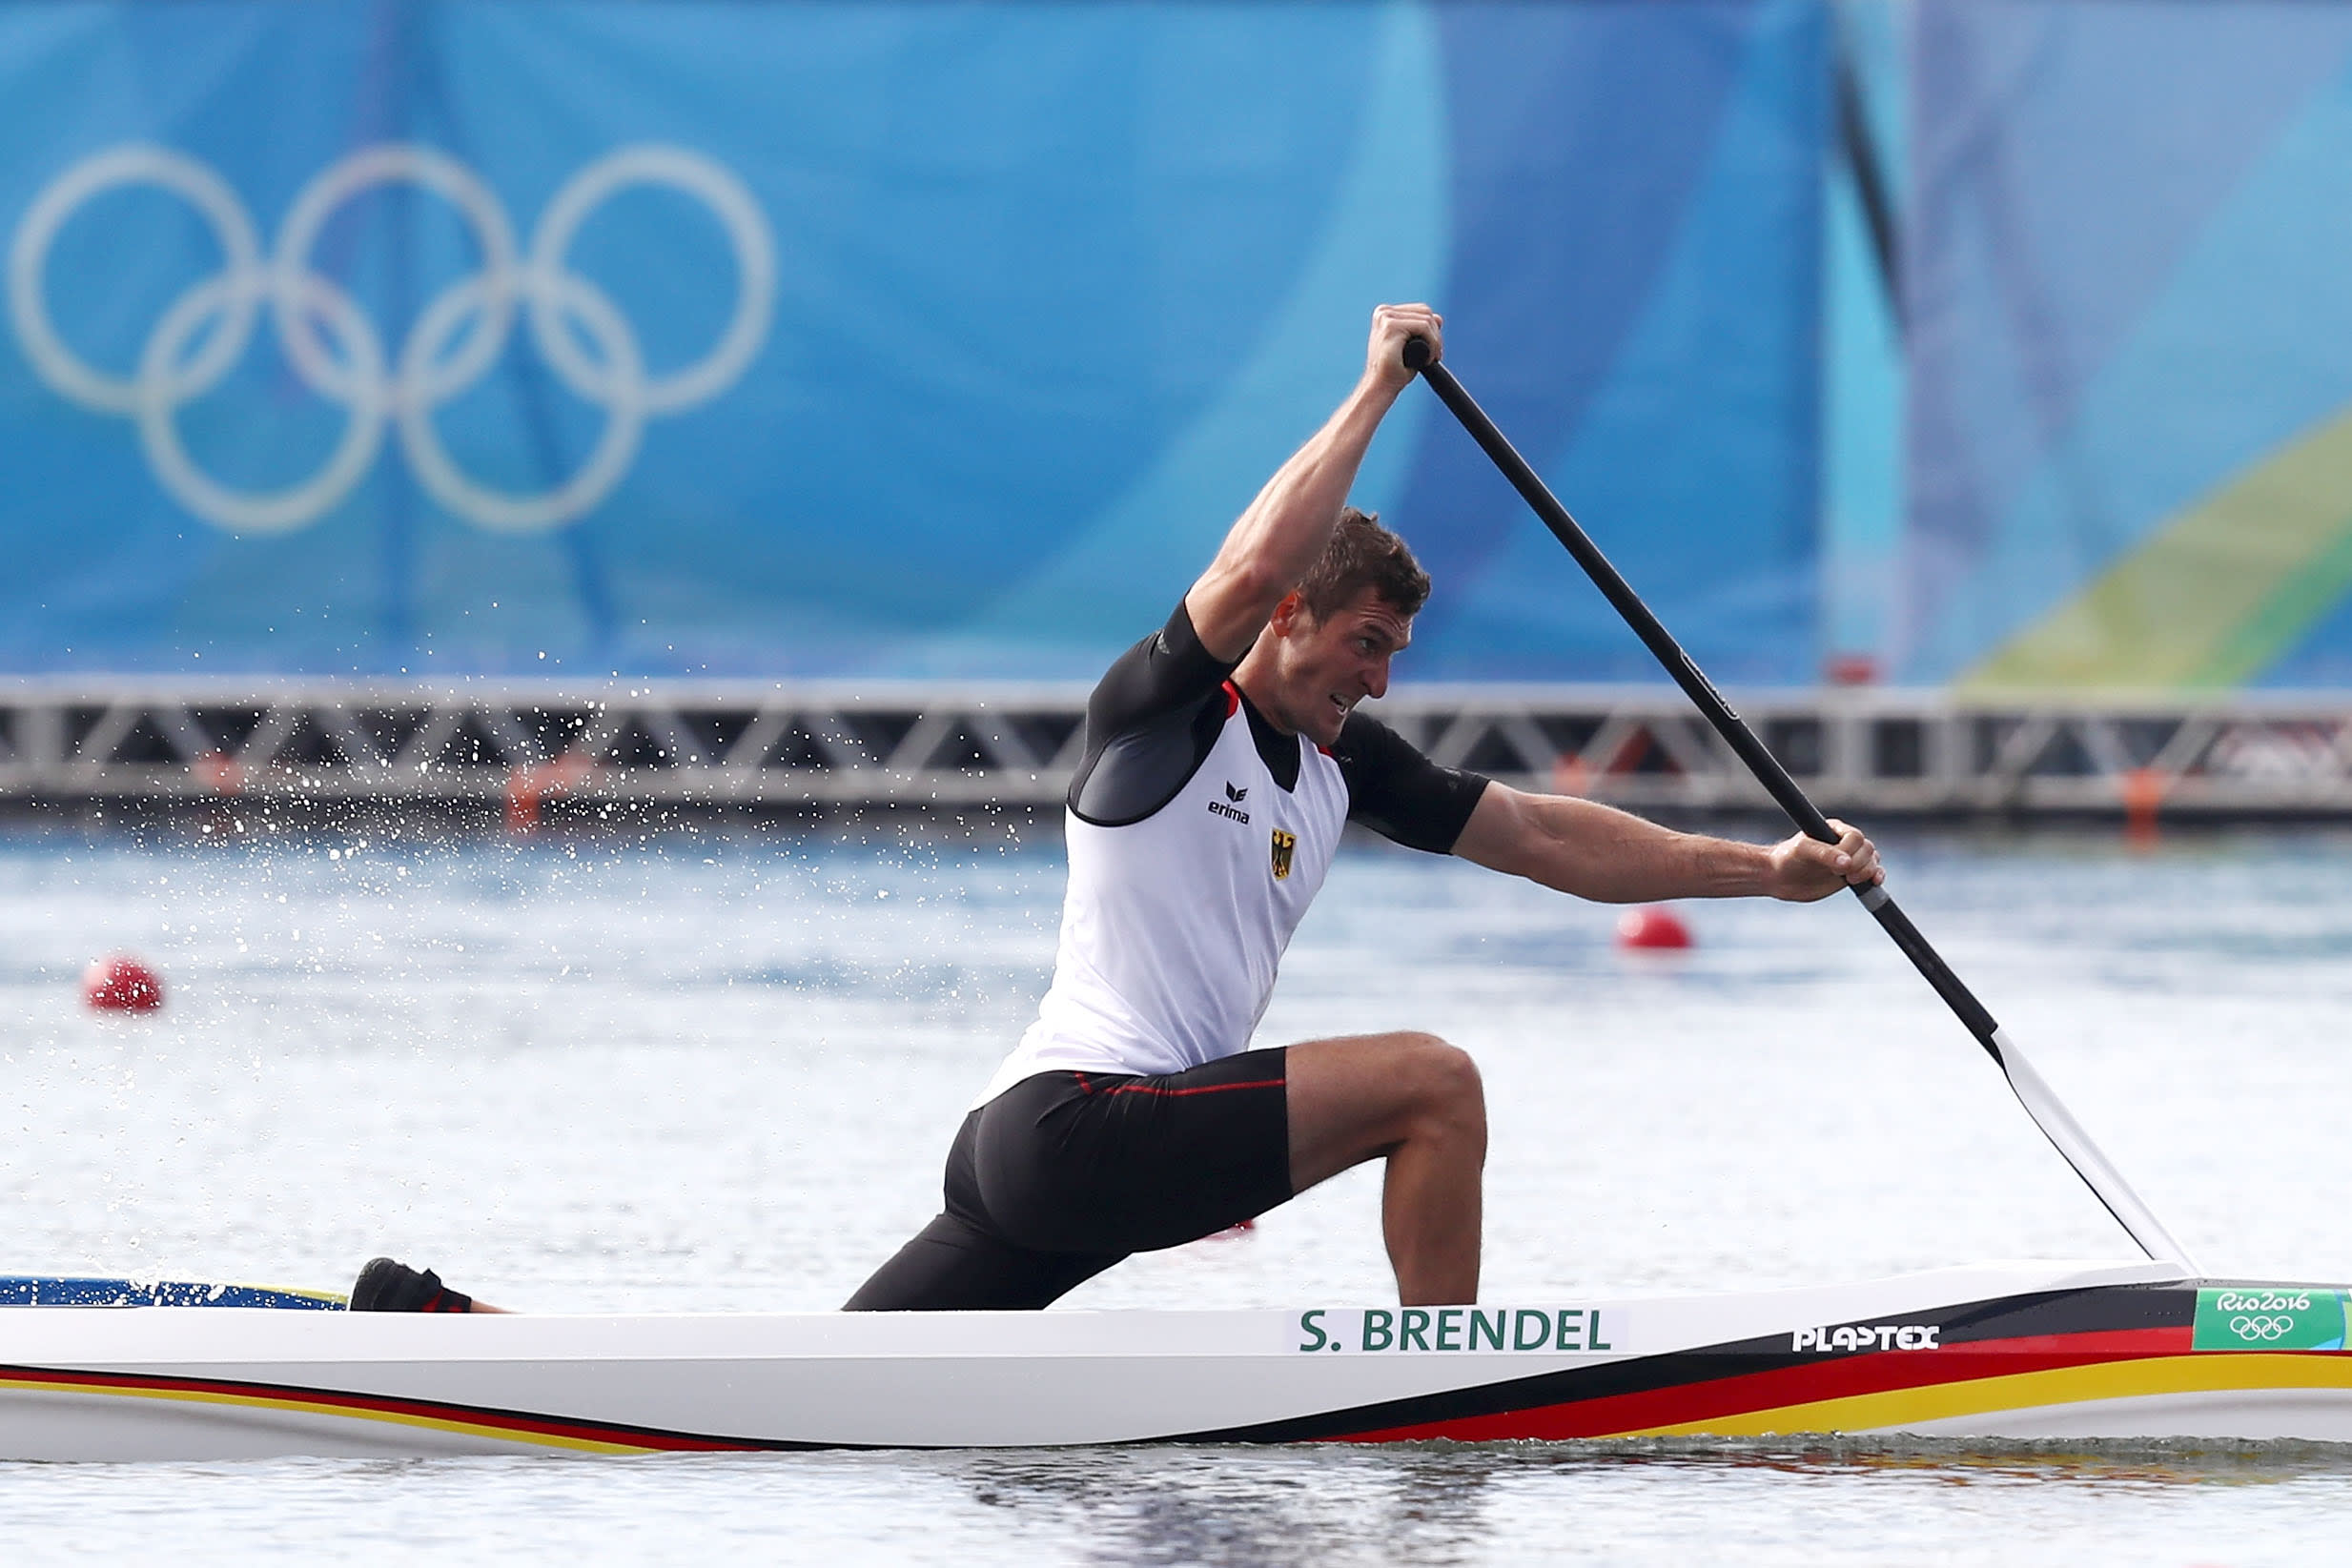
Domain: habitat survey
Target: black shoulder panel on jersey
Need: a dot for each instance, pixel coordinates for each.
(1151, 723)
(1400, 794)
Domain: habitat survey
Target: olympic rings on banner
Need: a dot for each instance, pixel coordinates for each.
(336, 351)
(2260, 1328)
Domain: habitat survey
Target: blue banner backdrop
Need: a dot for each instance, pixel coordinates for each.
(589, 336)
(2130, 445)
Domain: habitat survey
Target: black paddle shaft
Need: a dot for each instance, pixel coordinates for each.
(1686, 675)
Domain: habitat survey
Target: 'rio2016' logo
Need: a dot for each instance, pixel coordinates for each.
(456, 338)
(2280, 1318)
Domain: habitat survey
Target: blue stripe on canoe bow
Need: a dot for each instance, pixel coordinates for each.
(48, 1291)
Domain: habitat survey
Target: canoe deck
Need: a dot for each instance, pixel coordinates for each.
(1996, 1351)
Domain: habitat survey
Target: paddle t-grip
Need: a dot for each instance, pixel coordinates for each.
(1417, 353)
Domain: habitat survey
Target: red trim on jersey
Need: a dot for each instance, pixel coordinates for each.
(1233, 705)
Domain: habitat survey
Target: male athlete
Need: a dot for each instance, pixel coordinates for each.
(1223, 758)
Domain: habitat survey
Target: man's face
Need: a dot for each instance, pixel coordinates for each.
(1323, 669)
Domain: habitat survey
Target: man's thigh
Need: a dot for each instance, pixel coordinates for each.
(953, 1266)
(1355, 1098)
(1083, 1162)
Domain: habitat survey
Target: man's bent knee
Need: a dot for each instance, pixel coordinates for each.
(1449, 1096)
(1443, 1074)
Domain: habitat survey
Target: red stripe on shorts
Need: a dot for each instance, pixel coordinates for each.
(1173, 1093)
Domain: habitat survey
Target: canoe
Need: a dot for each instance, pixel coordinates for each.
(122, 1370)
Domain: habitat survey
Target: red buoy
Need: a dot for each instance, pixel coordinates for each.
(1652, 927)
(121, 984)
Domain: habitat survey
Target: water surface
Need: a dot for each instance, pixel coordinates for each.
(719, 1074)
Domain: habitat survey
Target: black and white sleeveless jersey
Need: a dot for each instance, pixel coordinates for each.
(1198, 834)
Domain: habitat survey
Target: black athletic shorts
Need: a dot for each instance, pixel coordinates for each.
(1065, 1174)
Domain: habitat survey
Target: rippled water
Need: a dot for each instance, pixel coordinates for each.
(720, 1072)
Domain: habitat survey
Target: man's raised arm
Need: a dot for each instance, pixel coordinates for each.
(1277, 539)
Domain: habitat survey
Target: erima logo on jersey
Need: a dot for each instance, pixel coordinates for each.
(1238, 794)
(1218, 808)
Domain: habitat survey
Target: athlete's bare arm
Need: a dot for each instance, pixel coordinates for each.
(1280, 536)
(1612, 857)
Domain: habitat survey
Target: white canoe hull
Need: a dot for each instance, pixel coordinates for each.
(2022, 1350)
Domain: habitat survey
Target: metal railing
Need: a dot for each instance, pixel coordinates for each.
(1857, 750)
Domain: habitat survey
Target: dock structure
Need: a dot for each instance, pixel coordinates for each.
(820, 746)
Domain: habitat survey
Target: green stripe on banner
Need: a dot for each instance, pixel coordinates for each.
(2214, 597)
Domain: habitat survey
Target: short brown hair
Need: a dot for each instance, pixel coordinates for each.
(1363, 555)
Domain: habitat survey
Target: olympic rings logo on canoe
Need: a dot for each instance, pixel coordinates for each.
(456, 337)
(2262, 1328)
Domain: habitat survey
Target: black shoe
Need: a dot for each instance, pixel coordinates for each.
(388, 1287)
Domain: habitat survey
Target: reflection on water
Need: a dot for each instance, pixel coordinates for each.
(1424, 1505)
(1856, 1500)
(1445, 1503)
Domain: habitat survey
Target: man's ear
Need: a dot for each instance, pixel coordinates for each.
(1289, 613)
